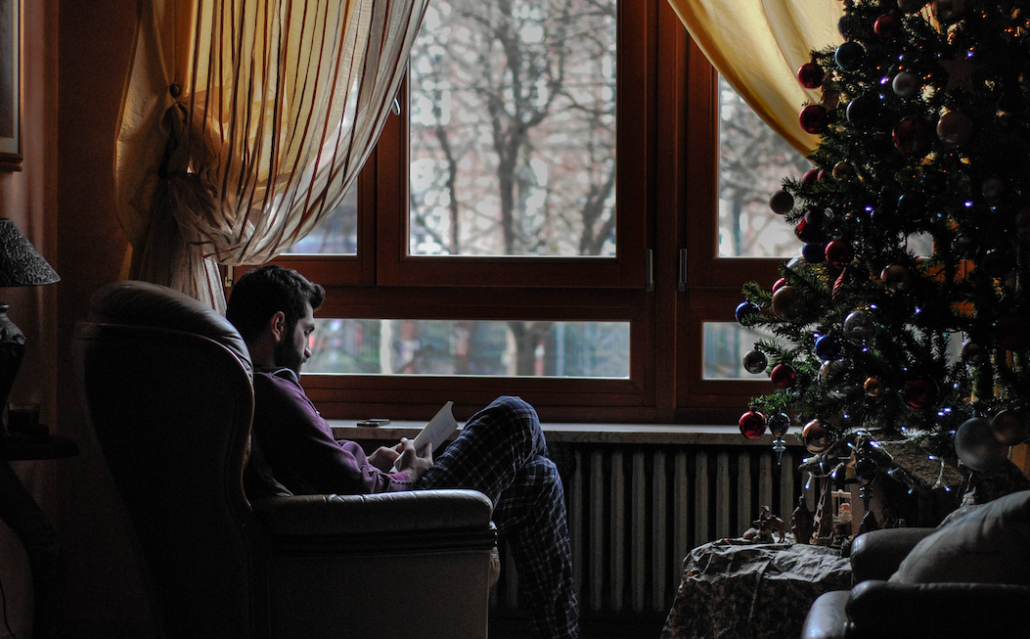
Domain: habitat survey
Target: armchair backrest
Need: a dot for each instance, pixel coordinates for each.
(167, 390)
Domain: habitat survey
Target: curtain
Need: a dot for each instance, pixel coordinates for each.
(243, 123)
(758, 46)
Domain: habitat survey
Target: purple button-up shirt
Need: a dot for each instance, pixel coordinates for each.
(299, 447)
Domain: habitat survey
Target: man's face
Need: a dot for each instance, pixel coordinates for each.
(292, 351)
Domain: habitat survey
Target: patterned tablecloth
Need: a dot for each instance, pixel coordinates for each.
(738, 590)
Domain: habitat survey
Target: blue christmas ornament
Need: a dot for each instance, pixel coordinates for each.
(849, 56)
(745, 310)
(814, 252)
(827, 347)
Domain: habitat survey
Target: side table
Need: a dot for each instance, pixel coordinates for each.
(733, 588)
(28, 521)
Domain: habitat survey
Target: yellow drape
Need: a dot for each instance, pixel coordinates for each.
(243, 124)
(758, 46)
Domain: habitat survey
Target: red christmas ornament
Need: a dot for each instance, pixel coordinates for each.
(778, 284)
(752, 424)
(783, 376)
(781, 202)
(839, 253)
(814, 119)
(808, 231)
(887, 26)
(811, 176)
(913, 137)
(810, 75)
(919, 393)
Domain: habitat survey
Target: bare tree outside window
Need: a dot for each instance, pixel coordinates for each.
(477, 348)
(512, 129)
(752, 162)
(337, 234)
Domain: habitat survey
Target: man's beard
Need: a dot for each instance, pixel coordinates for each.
(287, 357)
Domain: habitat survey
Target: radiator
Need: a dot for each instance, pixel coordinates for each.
(636, 511)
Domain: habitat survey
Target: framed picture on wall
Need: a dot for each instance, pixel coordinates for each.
(10, 85)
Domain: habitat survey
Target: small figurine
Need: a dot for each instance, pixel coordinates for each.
(761, 528)
(842, 531)
(802, 522)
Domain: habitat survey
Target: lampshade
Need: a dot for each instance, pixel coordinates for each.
(20, 264)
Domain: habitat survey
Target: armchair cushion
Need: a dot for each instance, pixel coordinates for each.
(936, 610)
(406, 512)
(877, 554)
(989, 545)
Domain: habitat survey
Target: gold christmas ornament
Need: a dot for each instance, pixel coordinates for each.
(954, 128)
(873, 387)
(1010, 428)
(817, 438)
(972, 352)
(842, 170)
(788, 303)
(897, 278)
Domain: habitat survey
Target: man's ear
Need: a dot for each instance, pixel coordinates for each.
(277, 326)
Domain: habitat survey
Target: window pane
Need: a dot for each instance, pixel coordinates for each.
(480, 348)
(725, 345)
(753, 161)
(512, 129)
(338, 233)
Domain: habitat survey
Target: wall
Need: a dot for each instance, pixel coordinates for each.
(62, 201)
(103, 588)
(28, 198)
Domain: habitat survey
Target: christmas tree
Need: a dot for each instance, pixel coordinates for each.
(905, 315)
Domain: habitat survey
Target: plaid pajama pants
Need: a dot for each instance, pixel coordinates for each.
(501, 452)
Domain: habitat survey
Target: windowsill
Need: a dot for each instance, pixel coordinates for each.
(581, 433)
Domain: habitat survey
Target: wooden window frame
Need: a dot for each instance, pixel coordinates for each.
(667, 202)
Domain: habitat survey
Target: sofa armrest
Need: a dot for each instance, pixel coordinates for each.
(448, 517)
(938, 610)
(878, 553)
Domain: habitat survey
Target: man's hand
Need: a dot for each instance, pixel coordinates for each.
(384, 458)
(415, 464)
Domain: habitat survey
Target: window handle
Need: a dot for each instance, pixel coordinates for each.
(649, 270)
(396, 106)
(681, 283)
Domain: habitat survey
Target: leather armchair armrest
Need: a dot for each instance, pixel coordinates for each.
(827, 619)
(450, 517)
(878, 553)
(939, 610)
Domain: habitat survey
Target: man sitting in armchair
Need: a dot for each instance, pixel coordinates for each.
(500, 452)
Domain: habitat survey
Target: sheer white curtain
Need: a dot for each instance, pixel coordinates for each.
(758, 46)
(243, 123)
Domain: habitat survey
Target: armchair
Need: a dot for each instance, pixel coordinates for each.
(968, 579)
(166, 384)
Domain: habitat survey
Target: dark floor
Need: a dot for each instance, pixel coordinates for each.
(640, 628)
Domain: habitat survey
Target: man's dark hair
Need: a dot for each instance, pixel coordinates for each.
(263, 292)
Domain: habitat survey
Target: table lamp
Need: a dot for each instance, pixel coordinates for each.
(20, 265)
